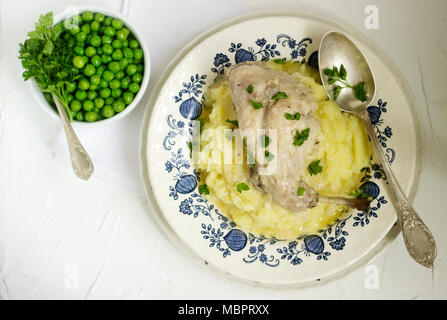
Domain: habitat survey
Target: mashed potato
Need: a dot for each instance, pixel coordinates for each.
(344, 150)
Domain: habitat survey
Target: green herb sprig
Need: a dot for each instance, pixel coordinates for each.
(335, 75)
(47, 59)
(300, 137)
(314, 168)
(241, 187)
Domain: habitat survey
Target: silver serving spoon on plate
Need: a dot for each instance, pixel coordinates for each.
(80, 160)
(337, 50)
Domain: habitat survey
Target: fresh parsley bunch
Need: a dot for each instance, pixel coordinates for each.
(47, 59)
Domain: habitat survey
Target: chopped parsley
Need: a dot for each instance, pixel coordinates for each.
(250, 89)
(335, 75)
(314, 168)
(300, 192)
(203, 189)
(256, 105)
(269, 156)
(301, 137)
(241, 187)
(279, 61)
(233, 122)
(265, 140)
(279, 95)
(295, 116)
(360, 194)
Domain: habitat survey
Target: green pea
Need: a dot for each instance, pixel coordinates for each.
(114, 84)
(117, 44)
(103, 84)
(122, 34)
(119, 75)
(134, 44)
(88, 105)
(79, 116)
(134, 87)
(128, 53)
(108, 76)
(95, 41)
(78, 62)
(107, 49)
(90, 51)
(128, 97)
(95, 109)
(125, 82)
(67, 36)
(100, 71)
(91, 95)
(105, 93)
(106, 59)
(75, 105)
(119, 106)
(70, 98)
(91, 116)
(114, 66)
(108, 111)
(86, 28)
(93, 87)
(108, 21)
(95, 79)
(125, 43)
(138, 54)
(95, 26)
(89, 70)
(137, 77)
(117, 24)
(96, 61)
(71, 43)
(79, 50)
(87, 16)
(81, 36)
(99, 51)
(140, 68)
(116, 93)
(106, 40)
(131, 69)
(85, 59)
(71, 87)
(110, 100)
(74, 30)
(117, 54)
(124, 62)
(84, 84)
(110, 31)
(99, 17)
(99, 103)
(81, 95)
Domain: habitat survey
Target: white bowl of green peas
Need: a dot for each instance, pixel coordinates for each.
(111, 63)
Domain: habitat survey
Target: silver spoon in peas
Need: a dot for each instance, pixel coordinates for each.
(353, 93)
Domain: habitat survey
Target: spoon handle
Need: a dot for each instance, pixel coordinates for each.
(80, 160)
(418, 238)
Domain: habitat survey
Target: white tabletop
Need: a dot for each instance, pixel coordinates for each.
(69, 239)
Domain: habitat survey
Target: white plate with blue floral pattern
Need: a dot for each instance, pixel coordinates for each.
(197, 226)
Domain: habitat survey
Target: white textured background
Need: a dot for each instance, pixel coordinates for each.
(64, 238)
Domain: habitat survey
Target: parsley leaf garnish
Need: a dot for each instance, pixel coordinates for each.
(256, 105)
(334, 75)
(233, 122)
(290, 116)
(301, 137)
(269, 156)
(242, 187)
(265, 140)
(250, 89)
(279, 61)
(279, 95)
(203, 189)
(314, 168)
(300, 192)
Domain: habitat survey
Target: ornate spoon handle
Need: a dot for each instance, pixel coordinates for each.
(80, 160)
(418, 238)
